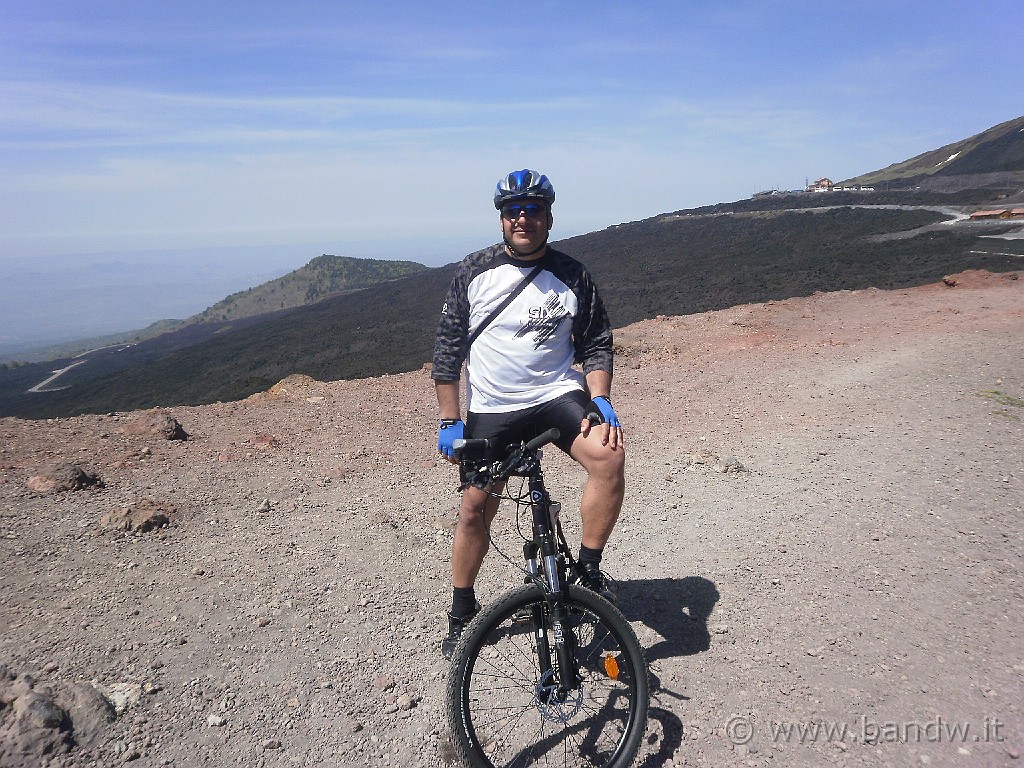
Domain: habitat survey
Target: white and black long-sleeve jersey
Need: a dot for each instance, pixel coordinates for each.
(524, 357)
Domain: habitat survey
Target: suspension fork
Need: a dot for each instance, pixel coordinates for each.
(545, 545)
(540, 628)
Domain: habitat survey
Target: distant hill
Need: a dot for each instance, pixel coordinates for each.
(994, 157)
(321, 277)
(326, 275)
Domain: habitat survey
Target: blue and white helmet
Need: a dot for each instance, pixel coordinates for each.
(523, 185)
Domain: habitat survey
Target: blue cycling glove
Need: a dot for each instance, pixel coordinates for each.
(600, 411)
(449, 431)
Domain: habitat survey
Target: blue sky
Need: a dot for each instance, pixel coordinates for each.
(380, 129)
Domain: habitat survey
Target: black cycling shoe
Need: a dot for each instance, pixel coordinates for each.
(456, 624)
(593, 578)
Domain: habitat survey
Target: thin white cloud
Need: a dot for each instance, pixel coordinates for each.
(42, 103)
(78, 111)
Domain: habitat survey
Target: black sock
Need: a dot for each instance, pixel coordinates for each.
(588, 555)
(463, 601)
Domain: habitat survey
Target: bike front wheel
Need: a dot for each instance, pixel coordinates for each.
(505, 707)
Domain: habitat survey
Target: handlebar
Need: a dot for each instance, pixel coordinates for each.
(483, 444)
(472, 454)
(543, 439)
(460, 445)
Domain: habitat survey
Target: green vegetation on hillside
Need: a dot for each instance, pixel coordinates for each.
(323, 276)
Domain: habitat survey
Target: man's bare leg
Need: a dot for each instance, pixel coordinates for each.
(471, 543)
(469, 547)
(605, 488)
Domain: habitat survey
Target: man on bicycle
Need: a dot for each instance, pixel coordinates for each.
(520, 380)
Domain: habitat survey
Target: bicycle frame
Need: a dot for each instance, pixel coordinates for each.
(549, 571)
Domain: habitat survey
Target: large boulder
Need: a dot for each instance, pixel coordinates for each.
(61, 477)
(33, 726)
(143, 515)
(39, 722)
(91, 712)
(155, 424)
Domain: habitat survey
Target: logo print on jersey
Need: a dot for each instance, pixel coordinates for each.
(544, 321)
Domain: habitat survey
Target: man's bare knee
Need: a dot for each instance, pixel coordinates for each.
(613, 463)
(600, 461)
(471, 523)
(476, 510)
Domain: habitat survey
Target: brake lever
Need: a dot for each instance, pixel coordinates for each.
(521, 462)
(478, 478)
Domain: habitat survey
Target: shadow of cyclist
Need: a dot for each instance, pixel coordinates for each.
(677, 609)
(671, 737)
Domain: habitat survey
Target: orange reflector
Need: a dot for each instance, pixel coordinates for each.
(611, 666)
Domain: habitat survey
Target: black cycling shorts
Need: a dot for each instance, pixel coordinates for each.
(504, 429)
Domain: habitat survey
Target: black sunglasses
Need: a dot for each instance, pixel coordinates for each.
(530, 210)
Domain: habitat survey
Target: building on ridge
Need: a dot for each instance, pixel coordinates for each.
(821, 185)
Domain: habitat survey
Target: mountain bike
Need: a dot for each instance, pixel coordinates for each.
(551, 674)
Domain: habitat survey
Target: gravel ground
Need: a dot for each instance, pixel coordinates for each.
(820, 551)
